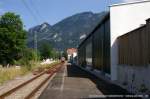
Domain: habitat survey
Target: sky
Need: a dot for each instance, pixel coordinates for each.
(35, 12)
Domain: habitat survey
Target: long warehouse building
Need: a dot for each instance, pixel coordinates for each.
(94, 51)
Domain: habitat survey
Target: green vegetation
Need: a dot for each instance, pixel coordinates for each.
(64, 54)
(47, 51)
(12, 72)
(12, 38)
(30, 57)
(13, 49)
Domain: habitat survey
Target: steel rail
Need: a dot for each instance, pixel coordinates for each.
(40, 85)
(9, 92)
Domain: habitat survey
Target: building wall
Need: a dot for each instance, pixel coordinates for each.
(72, 53)
(98, 48)
(89, 54)
(134, 47)
(125, 18)
(95, 49)
(101, 47)
(82, 55)
(134, 58)
(134, 77)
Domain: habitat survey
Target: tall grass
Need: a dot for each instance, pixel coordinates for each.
(46, 66)
(12, 72)
(8, 73)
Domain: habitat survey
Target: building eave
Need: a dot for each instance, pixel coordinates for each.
(129, 3)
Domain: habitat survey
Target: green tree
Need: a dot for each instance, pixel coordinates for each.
(56, 54)
(46, 50)
(64, 54)
(12, 38)
(29, 56)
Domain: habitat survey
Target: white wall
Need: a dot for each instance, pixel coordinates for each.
(74, 55)
(124, 18)
(125, 74)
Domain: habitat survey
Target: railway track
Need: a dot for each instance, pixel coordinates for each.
(27, 89)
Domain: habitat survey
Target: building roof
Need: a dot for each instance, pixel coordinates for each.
(71, 50)
(128, 3)
(106, 15)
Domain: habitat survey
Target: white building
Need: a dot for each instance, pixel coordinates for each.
(72, 53)
(124, 18)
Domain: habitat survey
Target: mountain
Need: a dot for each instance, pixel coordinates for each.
(43, 32)
(66, 33)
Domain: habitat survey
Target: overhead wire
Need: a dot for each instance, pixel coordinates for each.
(36, 10)
(36, 20)
(30, 11)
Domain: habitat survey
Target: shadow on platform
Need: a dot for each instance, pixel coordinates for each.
(105, 87)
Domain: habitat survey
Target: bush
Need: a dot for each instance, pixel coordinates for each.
(30, 56)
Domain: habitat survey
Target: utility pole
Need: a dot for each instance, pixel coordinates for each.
(35, 43)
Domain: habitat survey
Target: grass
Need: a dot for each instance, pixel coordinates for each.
(12, 72)
(48, 65)
(8, 73)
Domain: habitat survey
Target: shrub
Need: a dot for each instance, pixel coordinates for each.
(30, 56)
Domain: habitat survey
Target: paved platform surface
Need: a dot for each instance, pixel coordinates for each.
(73, 83)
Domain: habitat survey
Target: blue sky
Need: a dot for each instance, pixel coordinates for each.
(34, 12)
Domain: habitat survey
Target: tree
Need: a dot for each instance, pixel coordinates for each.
(12, 38)
(64, 54)
(46, 50)
(29, 56)
(56, 54)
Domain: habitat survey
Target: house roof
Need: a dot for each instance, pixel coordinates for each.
(71, 50)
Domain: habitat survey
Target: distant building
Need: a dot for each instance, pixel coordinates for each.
(72, 53)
